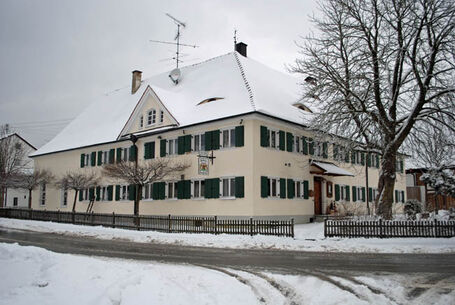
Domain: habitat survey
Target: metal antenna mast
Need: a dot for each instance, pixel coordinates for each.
(177, 38)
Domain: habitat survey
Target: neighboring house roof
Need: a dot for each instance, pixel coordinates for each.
(21, 138)
(244, 85)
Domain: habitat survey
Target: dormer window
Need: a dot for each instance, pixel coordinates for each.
(302, 107)
(151, 117)
(141, 121)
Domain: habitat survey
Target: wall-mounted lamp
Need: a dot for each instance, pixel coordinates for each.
(183, 130)
(159, 137)
(241, 121)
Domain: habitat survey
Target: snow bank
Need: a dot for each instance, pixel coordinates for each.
(308, 237)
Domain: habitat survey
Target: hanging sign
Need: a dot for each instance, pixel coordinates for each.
(203, 165)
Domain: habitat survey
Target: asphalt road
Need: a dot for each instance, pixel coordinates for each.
(292, 262)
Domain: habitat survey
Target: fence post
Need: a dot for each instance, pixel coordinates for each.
(251, 226)
(292, 227)
(58, 215)
(30, 214)
(113, 219)
(435, 228)
(169, 224)
(216, 224)
(325, 227)
(380, 227)
(73, 217)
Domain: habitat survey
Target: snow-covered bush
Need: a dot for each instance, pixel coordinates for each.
(412, 207)
(441, 179)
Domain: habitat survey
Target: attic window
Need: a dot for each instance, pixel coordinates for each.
(302, 107)
(210, 100)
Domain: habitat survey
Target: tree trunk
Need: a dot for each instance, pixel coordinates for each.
(74, 203)
(137, 199)
(29, 199)
(386, 185)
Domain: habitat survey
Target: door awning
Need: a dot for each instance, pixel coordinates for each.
(329, 169)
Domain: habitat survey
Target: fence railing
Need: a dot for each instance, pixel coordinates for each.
(169, 223)
(389, 228)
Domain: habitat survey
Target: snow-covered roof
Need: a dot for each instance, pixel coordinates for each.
(244, 85)
(331, 169)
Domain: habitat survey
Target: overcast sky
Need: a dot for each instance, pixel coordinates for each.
(56, 57)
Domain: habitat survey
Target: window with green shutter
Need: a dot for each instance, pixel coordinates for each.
(354, 193)
(117, 192)
(149, 150)
(348, 197)
(291, 188)
(208, 188)
(181, 145)
(82, 160)
(100, 157)
(311, 146)
(187, 143)
(239, 136)
(110, 189)
(93, 158)
(304, 146)
(289, 142)
(363, 193)
(282, 188)
(133, 153)
(163, 148)
(306, 192)
(131, 192)
(239, 187)
(337, 192)
(370, 194)
(216, 141)
(282, 137)
(402, 196)
(396, 196)
(264, 187)
(180, 189)
(119, 155)
(111, 156)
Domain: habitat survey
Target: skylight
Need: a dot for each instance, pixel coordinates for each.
(302, 107)
(210, 100)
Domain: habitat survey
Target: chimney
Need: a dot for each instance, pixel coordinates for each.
(241, 48)
(136, 83)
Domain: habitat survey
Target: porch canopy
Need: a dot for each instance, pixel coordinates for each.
(329, 169)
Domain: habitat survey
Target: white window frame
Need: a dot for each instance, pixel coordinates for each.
(298, 188)
(42, 194)
(343, 192)
(125, 154)
(151, 117)
(147, 191)
(197, 142)
(173, 185)
(277, 138)
(64, 198)
(318, 148)
(230, 137)
(123, 193)
(197, 183)
(103, 193)
(358, 192)
(298, 144)
(174, 145)
(230, 185)
(87, 160)
(277, 190)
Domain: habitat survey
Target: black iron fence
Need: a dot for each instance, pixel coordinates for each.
(389, 228)
(169, 223)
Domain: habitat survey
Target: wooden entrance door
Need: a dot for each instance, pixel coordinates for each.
(317, 196)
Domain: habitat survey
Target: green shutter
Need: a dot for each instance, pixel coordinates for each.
(264, 186)
(348, 197)
(215, 140)
(354, 194)
(239, 187)
(155, 191)
(152, 150)
(282, 188)
(337, 192)
(188, 143)
(362, 158)
(81, 197)
(396, 195)
(119, 155)
(264, 137)
(208, 140)
(216, 188)
(110, 189)
(100, 156)
(304, 146)
(187, 189)
(325, 152)
(117, 192)
(163, 148)
(91, 193)
(208, 188)
(353, 153)
(239, 136)
(377, 160)
(181, 145)
(401, 166)
(133, 153)
(363, 193)
(93, 158)
(162, 190)
(289, 141)
(98, 193)
(370, 194)
(311, 144)
(82, 160)
(131, 192)
(111, 155)
(146, 151)
(335, 152)
(306, 193)
(282, 136)
(180, 189)
(369, 159)
(402, 196)
(291, 190)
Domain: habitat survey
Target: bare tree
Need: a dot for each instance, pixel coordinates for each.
(13, 159)
(30, 181)
(140, 174)
(375, 69)
(77, 181)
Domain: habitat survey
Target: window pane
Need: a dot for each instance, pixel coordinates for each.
(202, 188)
(273, 139)
(225, 187)
(297, 187)
(232, 194)
(196, 189)
(171, 147)
(146, 191)
(176, 146)
(273, 187)
(175, 189)
(225, 138)
(203, 142)
(196, 142)
(169, 190)
(232, 131)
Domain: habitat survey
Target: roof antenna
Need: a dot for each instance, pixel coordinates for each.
(182, 25)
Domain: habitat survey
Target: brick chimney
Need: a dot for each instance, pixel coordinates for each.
(136, 83)
(241, 48)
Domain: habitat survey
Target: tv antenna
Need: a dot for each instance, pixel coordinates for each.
(177, 39)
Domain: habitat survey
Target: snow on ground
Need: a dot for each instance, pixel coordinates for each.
(32, 275)
(308, 237)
